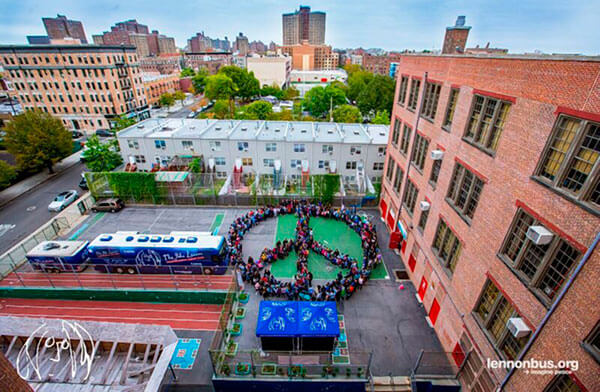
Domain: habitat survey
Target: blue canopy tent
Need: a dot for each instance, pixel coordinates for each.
(297, 326)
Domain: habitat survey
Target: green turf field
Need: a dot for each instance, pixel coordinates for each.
(334, 234)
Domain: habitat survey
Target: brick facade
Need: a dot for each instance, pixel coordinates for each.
(10, 381)
(380, 64)
(537, 91)
(156, 85)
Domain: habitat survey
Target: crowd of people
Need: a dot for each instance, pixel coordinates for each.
(257, 272)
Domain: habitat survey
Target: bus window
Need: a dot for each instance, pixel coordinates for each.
(192, 239)
(129, 239)
(155, 238)
(181, 240)
(143, 239)
(168, 239)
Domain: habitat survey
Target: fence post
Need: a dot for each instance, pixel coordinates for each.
(47, 277)
(109, 272)
(141, 276)
(18, 274)
(173, 278)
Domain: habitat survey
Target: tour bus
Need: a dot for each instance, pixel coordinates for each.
(177, 252)
(54, 256)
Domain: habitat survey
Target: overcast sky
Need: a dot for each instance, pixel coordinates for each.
(552, 26)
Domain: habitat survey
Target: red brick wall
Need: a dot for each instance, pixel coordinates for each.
(455, 38)
(10, 381)
(538, 88)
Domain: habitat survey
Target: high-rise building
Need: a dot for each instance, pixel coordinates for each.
(130, 32)
(203, 43)
(86, 86)
(242, 45)
(491, 192)
(455, 40)
(59, 28)
(307, 57)
(304, 25)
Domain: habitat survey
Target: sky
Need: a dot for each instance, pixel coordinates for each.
(551, 26)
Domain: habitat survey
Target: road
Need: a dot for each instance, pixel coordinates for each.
(30, 211)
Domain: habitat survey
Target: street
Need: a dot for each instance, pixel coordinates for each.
(30, 211)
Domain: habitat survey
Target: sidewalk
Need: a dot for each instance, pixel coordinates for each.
(16, 190)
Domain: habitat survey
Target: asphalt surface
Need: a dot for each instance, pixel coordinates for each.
(30, 210)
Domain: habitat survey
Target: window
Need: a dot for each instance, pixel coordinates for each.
(160, 144)
(396, 133)
(299, 147)
(486, 122)
(295, 163)
(327, 148)
(351, 165)
(570, 160)
(446, 246)
(355, 150)
(398, 178)
(187, 144)
(323, 164)
(420, 151)
(133, 144)
(405, 139)
(242, 146)
(544, 268)
(423, 220)
(562, 383)
(450, 109)
(390, 169)
(414, 94)
(378, 166)
(435, 172)
(464, 191)
(271, 147)
(140, 159)
(247, 161)
(410, 197)
(269, 162)
(214, 145)
(220, 161)
(492, 312)
(591, 344)
(430, 100)
(402, 91)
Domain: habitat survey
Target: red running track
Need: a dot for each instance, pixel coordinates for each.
(178, 316)
(104, 281)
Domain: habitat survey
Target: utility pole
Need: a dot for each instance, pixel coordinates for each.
(331, 109)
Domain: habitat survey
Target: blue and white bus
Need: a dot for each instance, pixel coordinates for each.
(55, 256)
(178, 252)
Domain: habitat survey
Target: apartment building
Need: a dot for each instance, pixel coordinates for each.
(308, 57)
(86, 86)
(131, 32)
(491, 193)
(322, 147)
(271, 70)
(212, 61)
(164, 64)
(59, 28)
(303, 25)
(156, 84)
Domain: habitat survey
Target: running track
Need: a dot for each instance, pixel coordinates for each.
(178, 316)
(116, 281)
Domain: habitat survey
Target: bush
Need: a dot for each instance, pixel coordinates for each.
(7, 174)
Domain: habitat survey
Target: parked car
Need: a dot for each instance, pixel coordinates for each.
(109, 205)
(191, 115)
(104, 133)
(83, 182)
(77, 134)
(62, 200)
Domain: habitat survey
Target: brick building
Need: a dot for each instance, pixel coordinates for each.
(212, 61)
(86, 86)
(156, 84)
(133, 33)
(303, 25)
(165, 64)
(380, 64)
(455, 40)
(61, 28)
(498, 211)
(307, 57)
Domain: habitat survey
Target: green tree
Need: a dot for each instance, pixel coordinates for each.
(318, 100)
(357, 82)
(260, 109)
(246, 85)
(179, 96)
(347, 114)
(272, 90)
(377, 95)
(219, 86)
(283, 115)
(381, 117)
(166, 99)
(37, 140)
(199, 80)
(352, 68)
(196, 166)
(187, 72)
(222, 109)
(290, 93)
(123, 122)
(7, 174)
(101, 157)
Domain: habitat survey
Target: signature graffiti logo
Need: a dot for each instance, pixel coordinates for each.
(28, 360)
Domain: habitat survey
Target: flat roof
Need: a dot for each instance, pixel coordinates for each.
(189, 240)
(512, 56)
(73, 47)
(57, 248)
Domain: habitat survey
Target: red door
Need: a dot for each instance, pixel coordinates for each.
(434, 311)
(422, 288)
(412, 262)
(383, 207)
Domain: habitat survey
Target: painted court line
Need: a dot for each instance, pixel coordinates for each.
(216, 224)
(87, 225)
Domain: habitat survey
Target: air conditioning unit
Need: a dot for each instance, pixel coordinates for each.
(424, 205)
(436, 155)
(517, 327)
(539, 235)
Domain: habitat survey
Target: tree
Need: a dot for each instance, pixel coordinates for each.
(318, 100)
(7, 174)
(260, 109)
(352, 68)
(347, 114)
(290, 93)
(199, 80)
(179, 96)
(272, 90)
(123, 122)
(381, 117)
(37, 140)
(283, 115)
(222, 109)
(166, 99)
(219, 86)
(101, 157)
(357, 82)
(246, 85)
(186, 73)
(377, 95)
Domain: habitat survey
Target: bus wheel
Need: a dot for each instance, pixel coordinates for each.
(120, 270)
(207, 271)
(130, 271)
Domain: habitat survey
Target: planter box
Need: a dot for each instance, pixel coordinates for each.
(296, 371)
(268, 369)
(243, 297)
(239, 328)
(240, 313)
(230, 352)
(243, 368)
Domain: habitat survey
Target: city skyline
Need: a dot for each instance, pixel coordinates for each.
(518, 26)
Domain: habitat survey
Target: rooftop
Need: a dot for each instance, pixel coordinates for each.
(523, 56)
